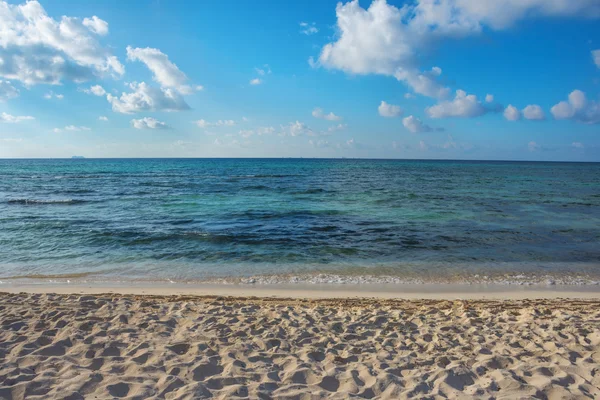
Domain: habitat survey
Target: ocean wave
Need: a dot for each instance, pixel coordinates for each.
(44, 202)
(338, 279)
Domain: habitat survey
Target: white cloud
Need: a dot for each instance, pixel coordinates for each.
(51, 94)
(534, 112)
(167, 74)
(103, 118)
(511, 113)
(389, 110)
(463, 106)
(148, 123)
(596, 57)
(415, 125)
(255, 81)
(319, 143)
(533, 146)
(423, 146)
(489, 98)
(35, 48)
(296, 129)
(318, 113)
(336, 128)
(308, 28)
(222, 122)
(71, 128)
(96, 90)
(265, 70)
(147, 98)
(424, 83)
(74, 128)
(369, 41)
(96, 25)
(577, 108)
(577, 145)
(463, 17)
(202, 123)
(7, 90)
(409, 96)
(11, 119)
(387, 40)
(265, 130)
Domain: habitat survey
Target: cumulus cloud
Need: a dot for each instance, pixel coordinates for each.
(463, 105)
(308, 28)
(148, 123)
(296, 129)
(318, 113)
(389, 110)
(11, 119)
(103, 118)
(463, 17)
(489, 98)
(596, 57)
(35, 48)
(511, 113)
(167, 74)
(255, 81)
(7, 90)
(96, 25)
(577, 108)
(415, 125)
(424, 83)
(384, 39)
(534, 112)
(374, 40)
(147, 98)
(96, 90)
(222, 122)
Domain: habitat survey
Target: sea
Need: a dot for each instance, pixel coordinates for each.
(254, 221)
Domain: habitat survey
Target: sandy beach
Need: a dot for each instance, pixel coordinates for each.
(116, 345)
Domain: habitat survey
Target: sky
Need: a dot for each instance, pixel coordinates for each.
(418, 79)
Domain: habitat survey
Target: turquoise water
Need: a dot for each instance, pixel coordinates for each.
(199, 219)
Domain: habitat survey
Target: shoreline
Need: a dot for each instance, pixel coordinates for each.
(319, 291)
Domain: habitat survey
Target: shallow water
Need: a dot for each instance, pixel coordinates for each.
(198, 219)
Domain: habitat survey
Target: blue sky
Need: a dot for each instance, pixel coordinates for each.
(454, 79)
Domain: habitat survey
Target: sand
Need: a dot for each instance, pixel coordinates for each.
(183, 347)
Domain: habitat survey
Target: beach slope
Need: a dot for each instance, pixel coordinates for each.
(184, 347)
